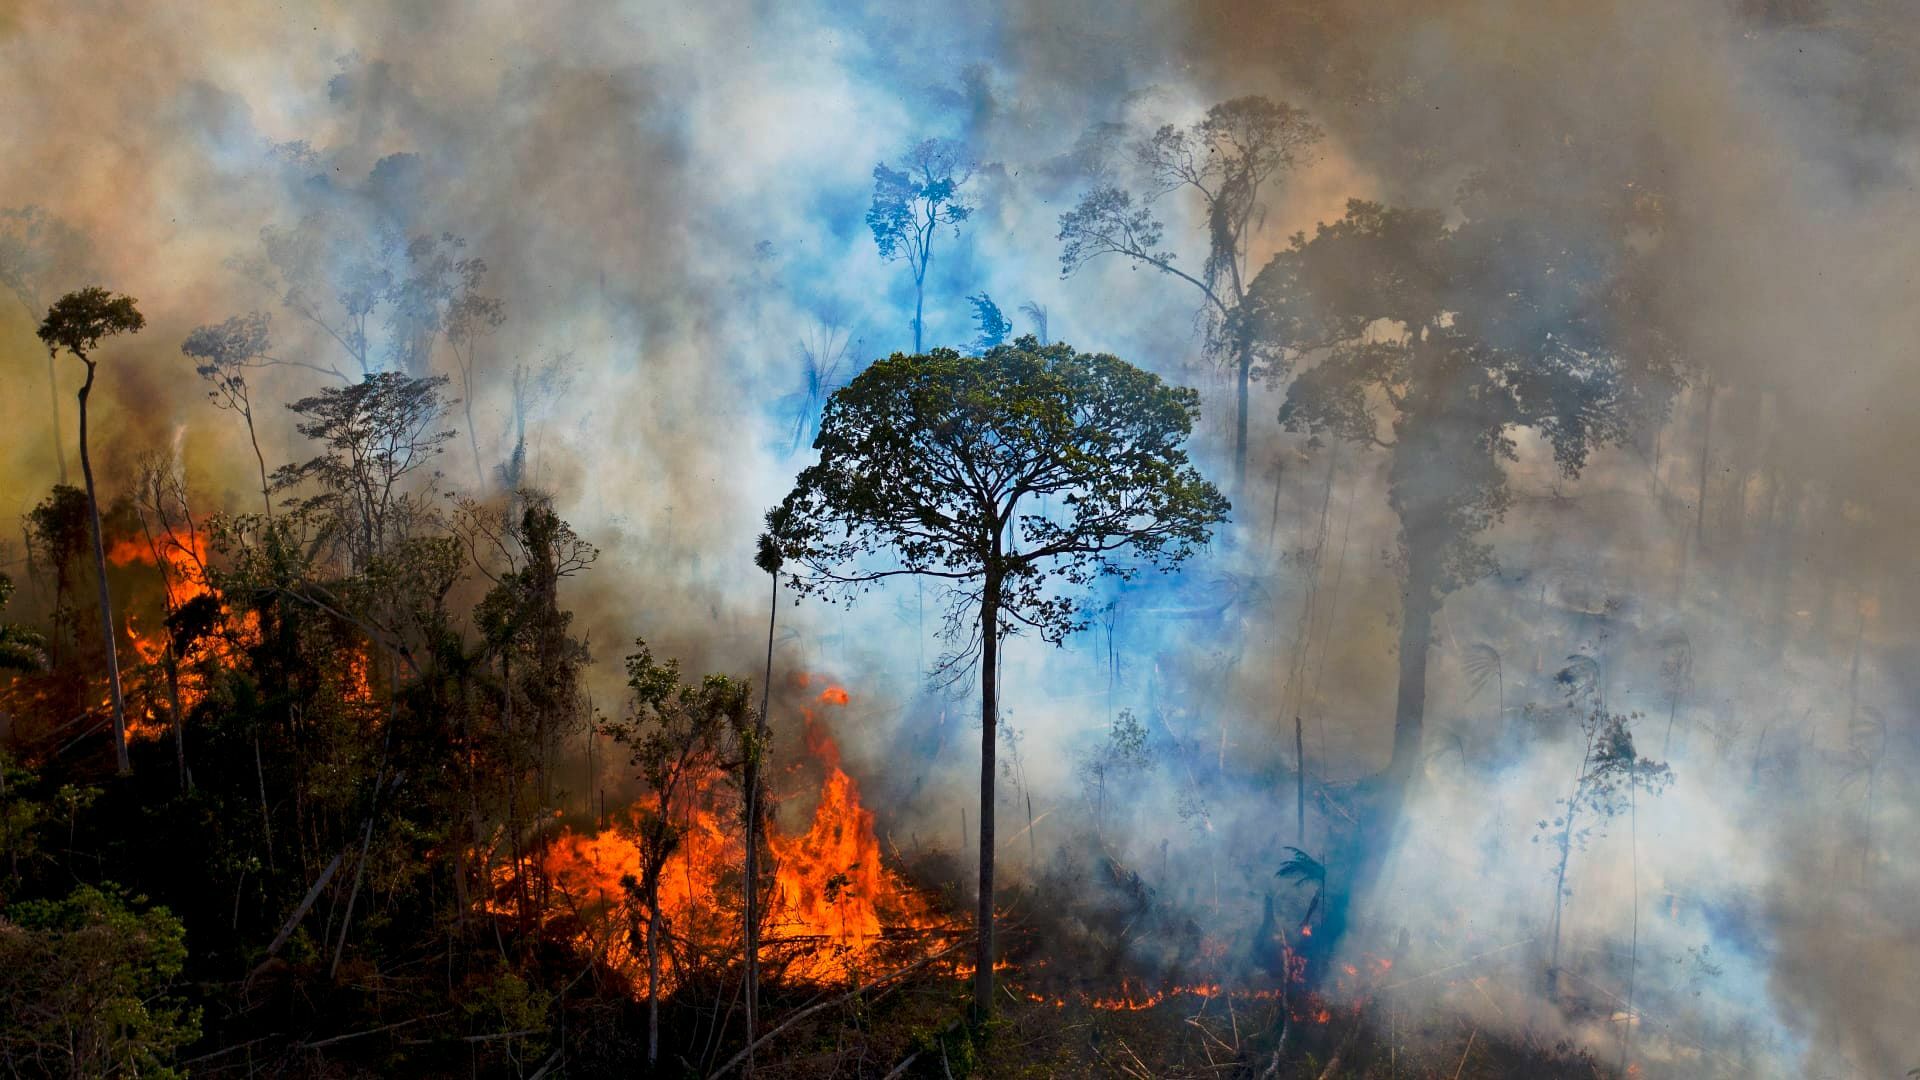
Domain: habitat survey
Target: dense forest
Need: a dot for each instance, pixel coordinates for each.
(1347, 538)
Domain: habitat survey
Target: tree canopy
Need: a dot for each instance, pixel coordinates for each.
(1032, 464)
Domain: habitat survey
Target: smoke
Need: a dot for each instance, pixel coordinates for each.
(672, 199)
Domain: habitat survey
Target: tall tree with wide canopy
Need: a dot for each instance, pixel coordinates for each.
(1439, 345)
(1224, 160)
(1016, 478)
(78, 322)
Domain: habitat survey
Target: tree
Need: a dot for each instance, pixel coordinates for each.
(85, 988)
(34, 246)
(1225, 159)
(753, 759)
(375, 434)
(1437, 345)
(226, 353)
(1008, 477)
(78, 322)
(677, 732)
(22, 648)
(910, 206)
(1610, 775)
(992, 324)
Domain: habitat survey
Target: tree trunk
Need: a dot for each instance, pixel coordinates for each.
(1410, 706)
(989, 714)
(752, 914)
(53, 393)
(1700, 506)
(121, 761)
(653, 977)
(266, 489)
(1372, 837)
(919, 307)
(1244, 372)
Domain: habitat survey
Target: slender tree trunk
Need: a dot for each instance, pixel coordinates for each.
(752, 886)
(1700, 505)
(919, 306)
(121, 761)
(1244, 372)
(989, 715)
(1300, 779)
(173, 713)
(53, 394)
(266, 489)
(654, 925)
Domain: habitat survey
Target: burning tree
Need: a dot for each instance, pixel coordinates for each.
(1007, 477)
(78, 322)
(678, 733)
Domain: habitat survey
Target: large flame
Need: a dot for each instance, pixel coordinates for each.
(182, 563)
(831, 906)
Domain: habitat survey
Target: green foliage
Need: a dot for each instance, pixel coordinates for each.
(1025, 469)
(22, 648)
(85, 987)
(80, 320)
(374, 434)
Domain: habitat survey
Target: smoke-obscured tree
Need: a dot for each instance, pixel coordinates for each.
(679, 734)
(1037, 311)
(35, 247)
(469, 317)
(991, 325)
(78, 322)
(1438, 345)
(1610, 776)
(535, 388)
(1224, 160)
(912, 204)
(383, 298)
(1012, 479)
(225, 353)
(823, 356)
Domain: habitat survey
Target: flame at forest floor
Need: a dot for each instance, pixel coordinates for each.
(832, 908)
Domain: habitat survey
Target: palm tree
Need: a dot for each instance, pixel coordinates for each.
(78, 322)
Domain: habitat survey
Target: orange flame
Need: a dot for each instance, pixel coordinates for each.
(832, 902)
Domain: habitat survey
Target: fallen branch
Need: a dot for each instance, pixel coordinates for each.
(828, 1003)
(371, 1031)
(299, 913)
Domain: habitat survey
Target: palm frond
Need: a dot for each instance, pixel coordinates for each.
(1302, 869)
(1481, 662)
